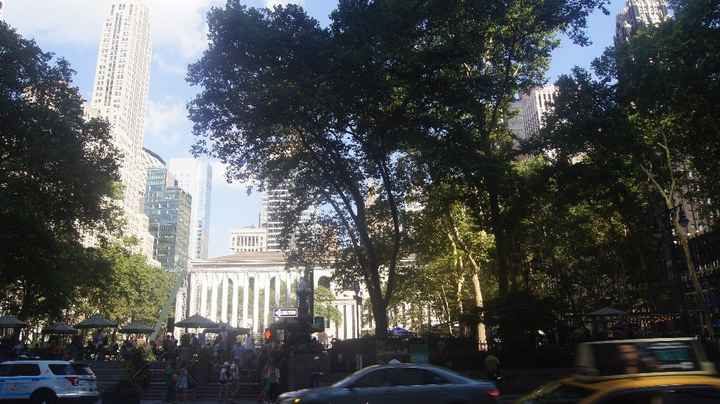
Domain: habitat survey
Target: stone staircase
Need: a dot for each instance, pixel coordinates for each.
(247, 388)
(108, 374)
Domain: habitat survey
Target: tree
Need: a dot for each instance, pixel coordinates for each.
(324, 307)
(56, 180)
(133, 290)
(450, 245)
(635, 136)
(340, 115)
(456, 68)
(278, 106)
(671, 72)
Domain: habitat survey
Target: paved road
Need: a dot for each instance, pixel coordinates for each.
(503, 400)
(198, 402)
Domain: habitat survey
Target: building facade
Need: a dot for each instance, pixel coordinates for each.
(531, 111)
(152, 160)
(638, 14)
(271, 218)
(194, 176)
(243, 289)
(168, 208)
(119, 96)
(249, 239)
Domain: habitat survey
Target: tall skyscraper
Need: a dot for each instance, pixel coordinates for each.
(638, 14)
(119, 95)
(168, 208)
(273, 205)
(1, 8)
(532, 108)
(194, 176)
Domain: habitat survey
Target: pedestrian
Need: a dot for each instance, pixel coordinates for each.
(224, 380)
(234, 380)
(237, 352)
(270, 381)
(182, 382)
(171, 382)
(492, 366)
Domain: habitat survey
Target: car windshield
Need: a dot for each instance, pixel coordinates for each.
(346, 382)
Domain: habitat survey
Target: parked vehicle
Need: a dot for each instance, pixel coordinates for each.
(399, 383)
(642, 371)
(44, 382)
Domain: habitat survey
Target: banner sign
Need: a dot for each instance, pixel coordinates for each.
(643, 356)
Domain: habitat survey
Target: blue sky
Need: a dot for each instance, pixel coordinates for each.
(71, 29)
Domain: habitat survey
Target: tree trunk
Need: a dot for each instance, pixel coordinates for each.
(501, 248)
(381, 318)
(459, 292)
(695, 280)
(481, 333)
(446, 307)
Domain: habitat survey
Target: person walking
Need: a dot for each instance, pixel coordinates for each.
(270, 381)
(182, 383)
(171, 382)
(224, 380)
(492, 366)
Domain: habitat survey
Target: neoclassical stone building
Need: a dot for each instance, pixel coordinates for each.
(243, 289)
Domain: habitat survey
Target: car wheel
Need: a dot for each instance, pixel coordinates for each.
(43, 397)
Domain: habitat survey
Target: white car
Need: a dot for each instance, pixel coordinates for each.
(45, 382)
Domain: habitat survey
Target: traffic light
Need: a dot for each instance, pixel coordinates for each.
(268, 335)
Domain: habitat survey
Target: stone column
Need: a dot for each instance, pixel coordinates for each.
(288, 288)
(352, 321)
(235, 290)
(203, 295)
(256, 301)
(277, 289)
(224, 286)
(246, 298)
(266, 305)
(346, 322)
(192, 298)
(213, 300)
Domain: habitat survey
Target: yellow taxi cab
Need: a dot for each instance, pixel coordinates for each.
(646, 371)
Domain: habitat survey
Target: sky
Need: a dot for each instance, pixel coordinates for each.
(71, 29)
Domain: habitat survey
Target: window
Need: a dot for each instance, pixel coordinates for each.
(71, 369)
(415, 377)
(378, 378)
(19, 369)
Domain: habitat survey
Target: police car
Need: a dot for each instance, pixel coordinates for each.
(45, 382)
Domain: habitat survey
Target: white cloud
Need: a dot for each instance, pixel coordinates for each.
(178, 24)
(178, 69)
(167, 121)
(220, 179)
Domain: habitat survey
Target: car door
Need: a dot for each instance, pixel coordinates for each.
(417, 386)
(20, 381)
(374, 387)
